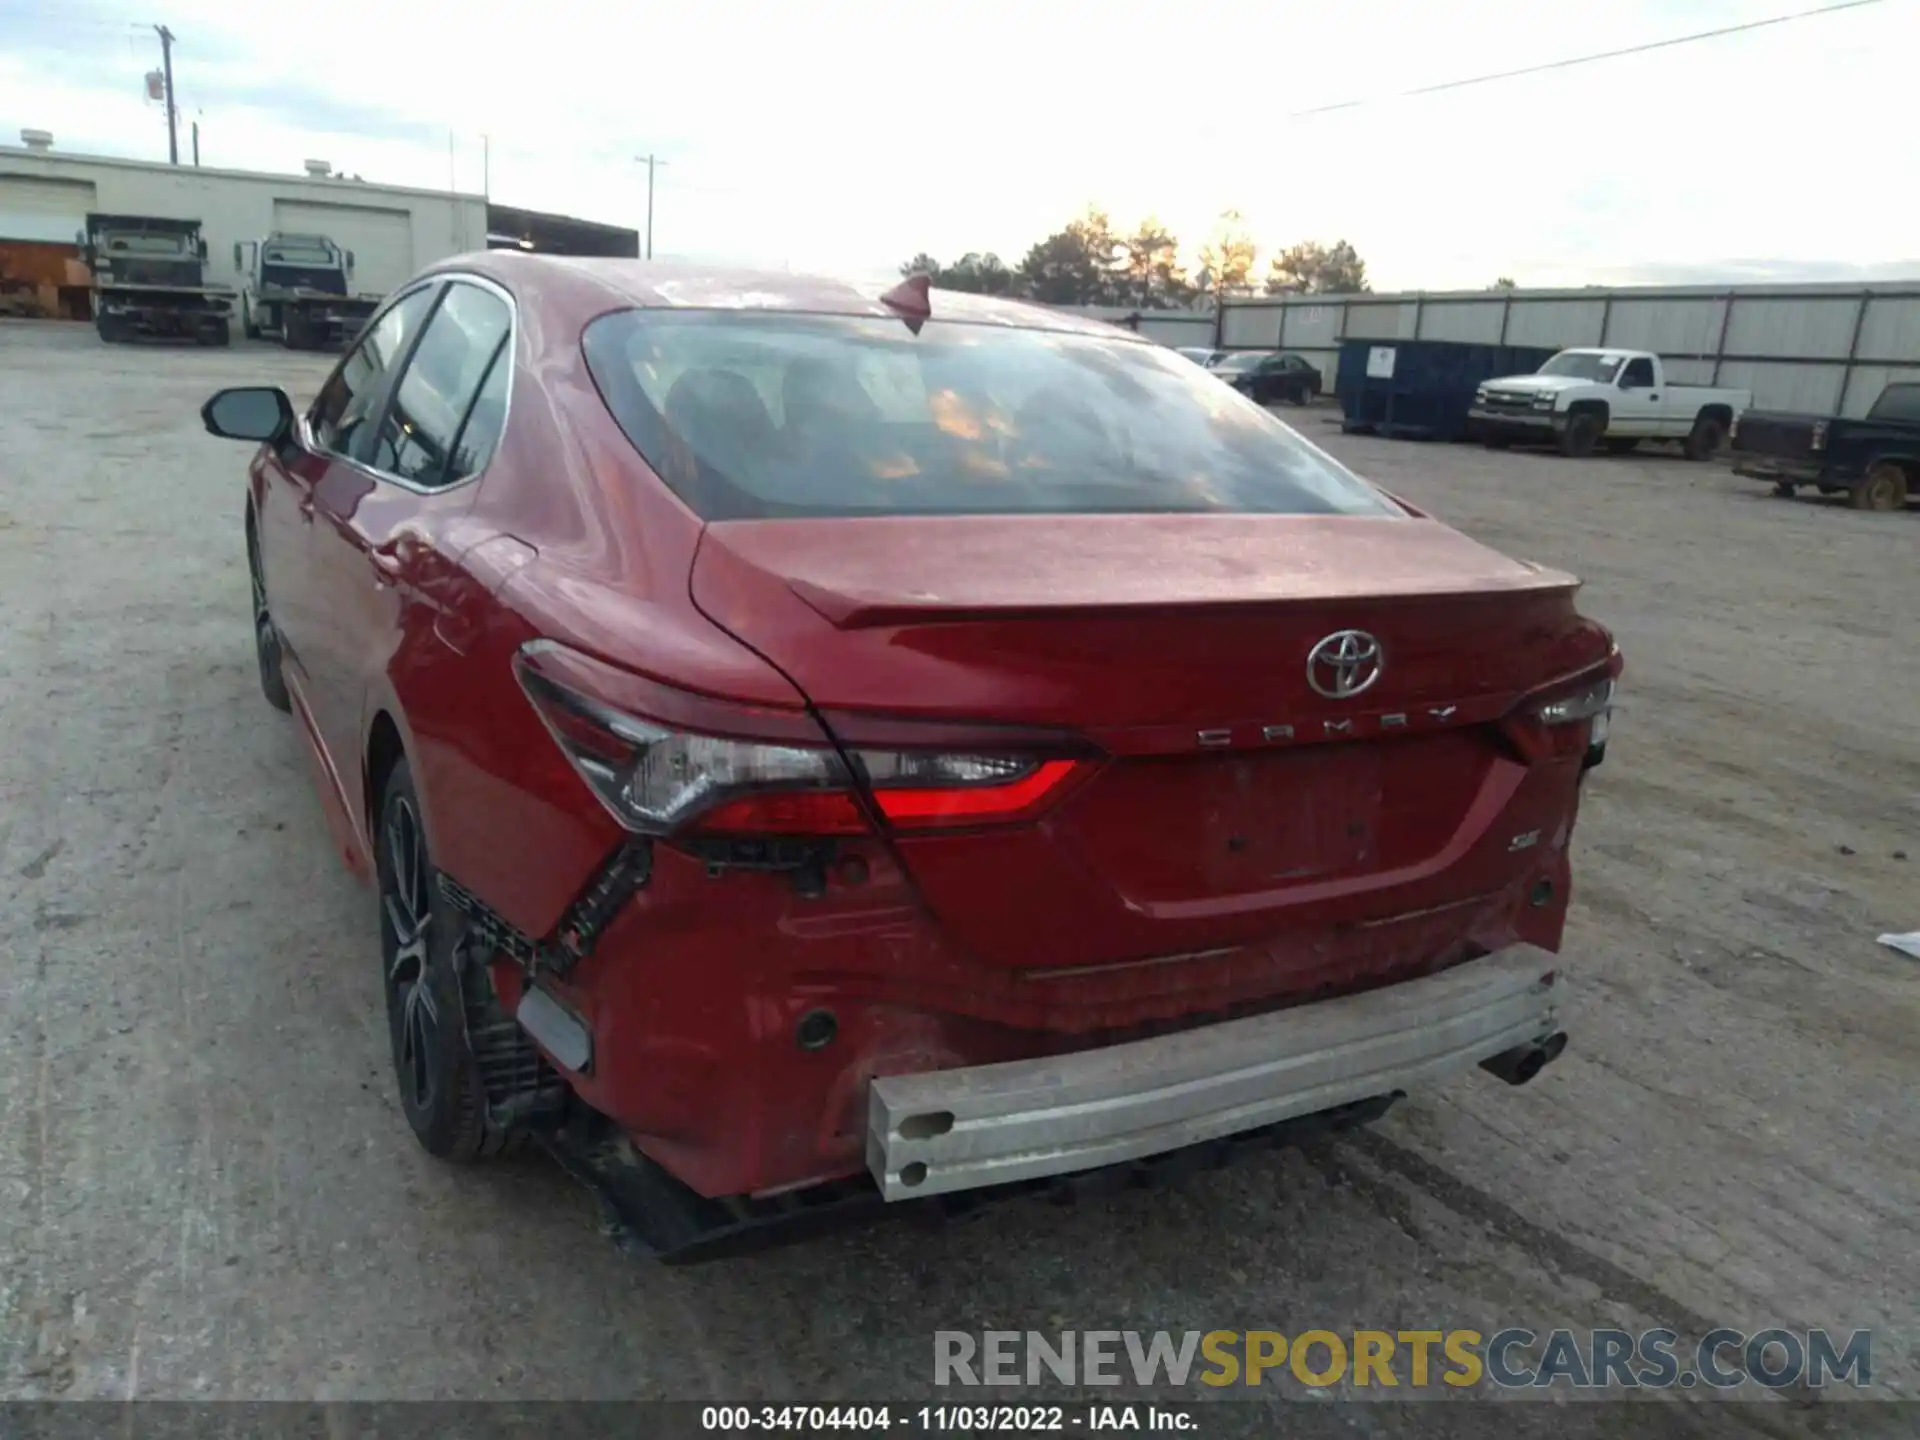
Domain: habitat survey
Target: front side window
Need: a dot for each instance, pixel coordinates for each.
(348, 397)
(1638, 374)
(750, 414)
(420, 433)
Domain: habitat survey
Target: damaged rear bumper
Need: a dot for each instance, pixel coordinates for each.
(993, 1125)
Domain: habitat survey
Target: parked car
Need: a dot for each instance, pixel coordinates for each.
(1267, 376)
(817, 749)
(1875, 461)
(1581, 399)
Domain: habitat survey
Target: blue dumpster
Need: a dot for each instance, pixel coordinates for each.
(1421, 389)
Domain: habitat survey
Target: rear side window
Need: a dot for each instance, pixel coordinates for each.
(751, 414)
(347, 399)
(421, 434)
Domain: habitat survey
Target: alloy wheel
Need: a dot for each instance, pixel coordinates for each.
(407, 901)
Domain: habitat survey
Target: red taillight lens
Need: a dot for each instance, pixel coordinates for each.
(785, 812)
(694, 763)
(1021, 795)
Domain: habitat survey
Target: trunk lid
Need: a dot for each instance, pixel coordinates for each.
(1235, 792)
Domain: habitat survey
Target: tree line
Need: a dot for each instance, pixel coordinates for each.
(1088, 262)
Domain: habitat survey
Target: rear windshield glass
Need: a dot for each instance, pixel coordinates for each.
(1236, 363)
(1897, 402)
(751, 414)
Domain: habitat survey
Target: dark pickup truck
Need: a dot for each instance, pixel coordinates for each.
(1875, 460)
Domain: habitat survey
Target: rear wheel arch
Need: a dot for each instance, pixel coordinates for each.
(1722, 413)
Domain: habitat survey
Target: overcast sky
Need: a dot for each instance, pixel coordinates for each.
(849, 134)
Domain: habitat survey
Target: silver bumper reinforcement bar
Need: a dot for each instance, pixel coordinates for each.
(994, 1124)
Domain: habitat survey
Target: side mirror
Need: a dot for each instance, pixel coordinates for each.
(200, 246)
(349, 262)
(238, 264)
(249, 412)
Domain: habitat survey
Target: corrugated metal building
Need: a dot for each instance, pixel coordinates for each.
(1823, 348)
(393, 231)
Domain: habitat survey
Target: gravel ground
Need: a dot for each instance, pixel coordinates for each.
(207, 1189)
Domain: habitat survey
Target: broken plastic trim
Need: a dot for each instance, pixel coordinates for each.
(626, 870)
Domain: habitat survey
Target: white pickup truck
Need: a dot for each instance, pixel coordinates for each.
(1581, 399)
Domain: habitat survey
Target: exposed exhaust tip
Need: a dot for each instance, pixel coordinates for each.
(1520, 1064)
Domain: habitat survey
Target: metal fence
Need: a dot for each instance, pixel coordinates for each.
(1826, 348)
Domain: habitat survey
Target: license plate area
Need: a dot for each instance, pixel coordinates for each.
(1168, 829)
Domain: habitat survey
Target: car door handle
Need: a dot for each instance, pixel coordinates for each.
(1654, 396)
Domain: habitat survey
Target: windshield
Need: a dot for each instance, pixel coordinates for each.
(750, 414)
(305, 253)
(1246, 360)
(1584, 365)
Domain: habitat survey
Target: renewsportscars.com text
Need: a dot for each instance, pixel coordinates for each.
(1512, 1358)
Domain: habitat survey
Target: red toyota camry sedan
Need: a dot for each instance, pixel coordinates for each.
(818, 744)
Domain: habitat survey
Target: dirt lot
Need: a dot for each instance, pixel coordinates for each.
(207, 1190)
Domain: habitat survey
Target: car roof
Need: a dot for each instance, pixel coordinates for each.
(601, 284)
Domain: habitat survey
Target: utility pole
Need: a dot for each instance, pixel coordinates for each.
(651, 162)
(486, 168)
(196, 144)
(166, 65)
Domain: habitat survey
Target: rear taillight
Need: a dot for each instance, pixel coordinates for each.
(691, 763)
(1819, 440)
(1587, 701)
(1569, 717)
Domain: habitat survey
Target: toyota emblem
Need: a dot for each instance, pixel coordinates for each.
(1344, 664)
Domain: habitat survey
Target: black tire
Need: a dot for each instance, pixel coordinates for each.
(1707, 438)
(247, 326)
(440, 1088)
(1884, 488)
(266, 638)
(1622, 447)
(110, 329)
(214, 335)
(1583, 432)
(1786, 488)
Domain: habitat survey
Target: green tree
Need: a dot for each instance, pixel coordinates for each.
(1505, 282)
(981, 274)
(1226, 260)
(1311, 268)
(1076, 265)
(1151, 275)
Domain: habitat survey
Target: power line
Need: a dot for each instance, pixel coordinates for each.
(1593, 58)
